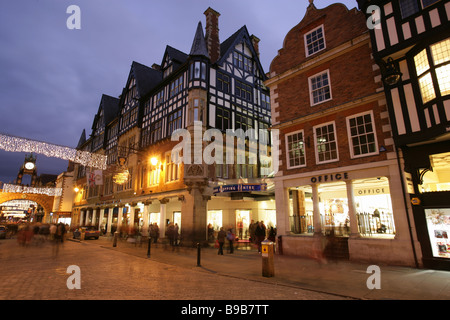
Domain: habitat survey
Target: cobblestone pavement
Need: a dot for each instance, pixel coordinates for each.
(39, 273)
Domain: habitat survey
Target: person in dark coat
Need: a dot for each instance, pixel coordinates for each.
(221, 238)
(260, 234)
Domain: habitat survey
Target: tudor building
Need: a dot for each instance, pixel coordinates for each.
(338, 164)
(411, 43)
(215, 85)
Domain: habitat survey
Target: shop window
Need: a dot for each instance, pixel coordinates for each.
(374, 207)
(325, 143)
(215, 219)
(432, 66)
(301, 210)
(436, 178)
(314, 41)
(438, 224)
(295, 150)
(154, 217)
(361, 135)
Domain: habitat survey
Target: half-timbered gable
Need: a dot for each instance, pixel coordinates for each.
(411, 44)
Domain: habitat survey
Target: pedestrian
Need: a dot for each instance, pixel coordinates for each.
(260, 233)
(251, 230)
(210, 233)
(272, 234)
(221, 238)
(230, 237)
(175, 234)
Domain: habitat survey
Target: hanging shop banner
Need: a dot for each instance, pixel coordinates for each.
(241, 188)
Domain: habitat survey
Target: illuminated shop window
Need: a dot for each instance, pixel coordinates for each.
(438, 224)
(214, 217)
(433, 67)
(437, 179)
(374, 207)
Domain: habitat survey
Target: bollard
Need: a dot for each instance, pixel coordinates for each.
(198, 255)
(267, 258)
(116, 235)
(82, 234)
(149, 246)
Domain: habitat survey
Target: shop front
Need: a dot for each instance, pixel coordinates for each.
(430, 170)
(361, 205)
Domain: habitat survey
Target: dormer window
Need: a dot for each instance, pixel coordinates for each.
(314, 41)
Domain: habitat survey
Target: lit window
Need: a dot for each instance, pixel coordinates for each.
(427, 88)
(319, 88)
(440, 52)
(433, 68)
(314, 41)
(295, 150)
(421, 62)
(443, 76)
(326, 144)
(362, 139)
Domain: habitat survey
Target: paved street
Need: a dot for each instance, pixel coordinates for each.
(37, 273)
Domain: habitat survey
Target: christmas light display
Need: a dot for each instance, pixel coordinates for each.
(20, 189)
(16, 144)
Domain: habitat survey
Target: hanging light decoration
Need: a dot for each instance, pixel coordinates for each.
(13, 188)
(16, 144)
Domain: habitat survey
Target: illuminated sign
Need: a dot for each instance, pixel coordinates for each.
(241, 188)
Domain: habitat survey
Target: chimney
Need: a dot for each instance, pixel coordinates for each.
(255, 42)
(212, 34)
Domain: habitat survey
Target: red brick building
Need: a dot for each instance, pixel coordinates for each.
(338, 166)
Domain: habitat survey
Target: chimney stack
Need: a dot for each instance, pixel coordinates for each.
(212, 34)
(255, 42)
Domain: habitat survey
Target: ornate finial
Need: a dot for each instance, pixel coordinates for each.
(311, 4)
(311, 1)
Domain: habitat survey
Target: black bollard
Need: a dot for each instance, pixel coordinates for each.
(149, 246)
(198, 255)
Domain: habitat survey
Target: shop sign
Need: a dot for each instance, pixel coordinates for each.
(241, 188)
(371, 191)
(330, 177)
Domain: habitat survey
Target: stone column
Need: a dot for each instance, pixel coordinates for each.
(119, 218)
(86, 222)
(94, 216)
(162, 217)
(354, 233)
(80, 220)
(146, 218)
(316, 210)
(109, 223)
(131, 215)
(282, 205)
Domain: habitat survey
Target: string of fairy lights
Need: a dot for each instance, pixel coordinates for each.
(85, 158)
(56, 192)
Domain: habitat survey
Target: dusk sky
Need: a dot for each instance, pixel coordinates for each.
(52, 78)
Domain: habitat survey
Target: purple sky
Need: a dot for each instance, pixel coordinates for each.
(52, 78)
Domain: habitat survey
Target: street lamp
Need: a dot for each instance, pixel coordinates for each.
(390, 72)
(154, 161)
